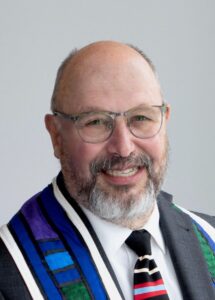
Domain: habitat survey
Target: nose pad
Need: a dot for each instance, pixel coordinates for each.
(121, 141)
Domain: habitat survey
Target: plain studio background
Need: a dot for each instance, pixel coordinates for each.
(35, 36)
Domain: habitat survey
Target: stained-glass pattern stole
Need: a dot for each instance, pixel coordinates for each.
(56, 254)
(205, 238)
(208, 249)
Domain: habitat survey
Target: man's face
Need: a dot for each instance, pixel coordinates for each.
(118, 178)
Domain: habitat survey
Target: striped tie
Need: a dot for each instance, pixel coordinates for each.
(148, 283)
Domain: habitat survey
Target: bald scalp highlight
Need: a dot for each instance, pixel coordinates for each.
(55, 99)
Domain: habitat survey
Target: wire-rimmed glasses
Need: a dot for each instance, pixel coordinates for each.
(97, 126)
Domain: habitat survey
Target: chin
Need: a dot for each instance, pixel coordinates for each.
(121, 203)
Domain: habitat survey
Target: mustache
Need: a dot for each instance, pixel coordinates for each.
(104, 164)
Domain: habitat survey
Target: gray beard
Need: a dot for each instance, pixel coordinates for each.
(114, 204)
(114, 209)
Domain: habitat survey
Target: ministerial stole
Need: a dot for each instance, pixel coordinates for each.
(56, 257)
(205, 235)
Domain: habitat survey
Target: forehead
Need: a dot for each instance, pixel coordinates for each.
(108, 78)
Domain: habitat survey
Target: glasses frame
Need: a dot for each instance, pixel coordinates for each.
(75, 117)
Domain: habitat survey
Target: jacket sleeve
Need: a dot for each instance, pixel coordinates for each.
(12, 285)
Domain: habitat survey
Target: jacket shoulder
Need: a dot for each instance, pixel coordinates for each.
(208, 218)
(168, 198)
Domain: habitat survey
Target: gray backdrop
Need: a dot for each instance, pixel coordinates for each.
(35, 36)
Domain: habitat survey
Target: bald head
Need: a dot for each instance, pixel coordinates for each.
(97, 59)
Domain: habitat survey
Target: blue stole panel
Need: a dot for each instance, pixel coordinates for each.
(54, 250)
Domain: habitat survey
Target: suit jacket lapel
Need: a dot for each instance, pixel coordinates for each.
(187, 258)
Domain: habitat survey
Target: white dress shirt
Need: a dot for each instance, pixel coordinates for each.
(123, 259)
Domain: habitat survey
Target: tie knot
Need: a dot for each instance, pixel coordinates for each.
(139, 242)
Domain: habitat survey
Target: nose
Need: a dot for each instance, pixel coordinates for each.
(121, 141)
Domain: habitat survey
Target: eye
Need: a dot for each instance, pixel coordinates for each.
(96, 122)
(139, 118)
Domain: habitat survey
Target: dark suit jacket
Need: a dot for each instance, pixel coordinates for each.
(177, 229)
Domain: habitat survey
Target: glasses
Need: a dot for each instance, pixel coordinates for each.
(97, 126)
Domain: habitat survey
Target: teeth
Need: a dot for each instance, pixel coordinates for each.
(122, 173)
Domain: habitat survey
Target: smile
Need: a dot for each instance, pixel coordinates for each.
(122, 173)
(126, 176)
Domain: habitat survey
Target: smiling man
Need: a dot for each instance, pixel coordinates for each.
(113, 163)
(84, 236)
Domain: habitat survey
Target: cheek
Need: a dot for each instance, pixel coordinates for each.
(83, 154)
(79, 153)
(155, 148)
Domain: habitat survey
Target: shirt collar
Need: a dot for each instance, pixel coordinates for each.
(113, 236)
(153, 227)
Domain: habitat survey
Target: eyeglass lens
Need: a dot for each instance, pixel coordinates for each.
(97, 127)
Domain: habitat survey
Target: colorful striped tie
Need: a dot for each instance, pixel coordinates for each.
(148, 283)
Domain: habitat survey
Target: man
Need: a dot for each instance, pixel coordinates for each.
(71, 241)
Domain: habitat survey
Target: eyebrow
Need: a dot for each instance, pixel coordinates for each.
(91, 108)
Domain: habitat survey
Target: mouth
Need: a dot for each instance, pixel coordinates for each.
(123, 173)
(126, 176)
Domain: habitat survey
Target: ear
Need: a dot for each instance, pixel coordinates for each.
(167, 114)
(53, 129)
